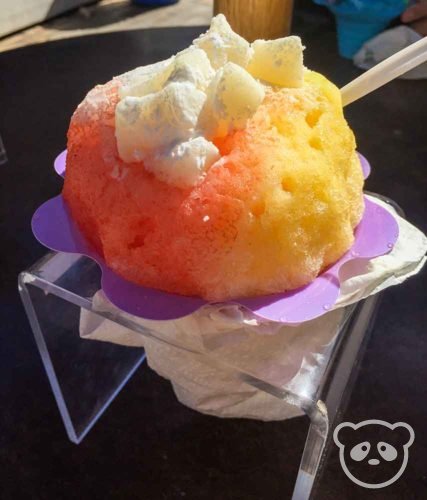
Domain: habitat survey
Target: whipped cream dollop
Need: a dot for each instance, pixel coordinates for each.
(170, 112)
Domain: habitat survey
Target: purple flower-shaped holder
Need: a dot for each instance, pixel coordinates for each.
(375, 235)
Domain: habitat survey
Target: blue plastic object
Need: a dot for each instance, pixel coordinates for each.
(360, 20)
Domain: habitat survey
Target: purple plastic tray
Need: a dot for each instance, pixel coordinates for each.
(375, 235)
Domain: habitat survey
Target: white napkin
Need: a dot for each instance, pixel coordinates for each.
(385, 45)
(289, 357)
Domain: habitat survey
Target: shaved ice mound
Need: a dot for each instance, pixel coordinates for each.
(277, 205)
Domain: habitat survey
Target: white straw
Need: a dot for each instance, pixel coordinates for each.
(385, 71)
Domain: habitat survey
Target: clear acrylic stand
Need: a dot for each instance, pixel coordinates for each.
(86, 376)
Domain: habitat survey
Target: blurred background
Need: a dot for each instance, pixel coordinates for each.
(25, 22)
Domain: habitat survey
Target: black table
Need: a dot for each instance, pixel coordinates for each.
(147, 445)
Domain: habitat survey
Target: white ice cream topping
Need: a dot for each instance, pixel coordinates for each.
(169, 112)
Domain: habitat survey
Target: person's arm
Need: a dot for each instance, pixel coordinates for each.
(416, 17)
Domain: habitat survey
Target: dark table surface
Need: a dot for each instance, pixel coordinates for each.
(147, 445)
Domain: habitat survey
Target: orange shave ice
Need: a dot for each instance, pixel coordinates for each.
(226, 171)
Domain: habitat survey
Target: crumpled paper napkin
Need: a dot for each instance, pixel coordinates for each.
(217, 339)
(386, 44)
